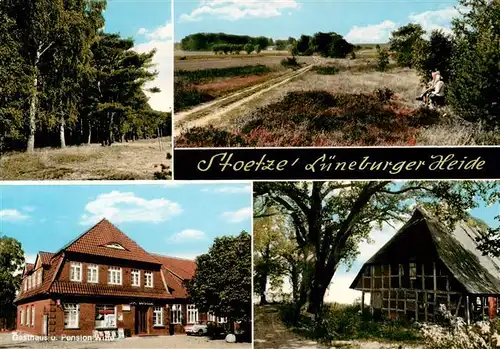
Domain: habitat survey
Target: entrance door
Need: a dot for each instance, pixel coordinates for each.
(141, 326)
(45, 325)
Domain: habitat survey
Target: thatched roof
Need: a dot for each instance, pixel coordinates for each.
(457, 250)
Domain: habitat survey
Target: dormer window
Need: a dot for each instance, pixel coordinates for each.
(75, 272)
(115, 245)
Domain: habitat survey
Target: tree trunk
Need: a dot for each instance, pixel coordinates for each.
(62, 124)
(316, 298)
(90, 134)
(30, 148)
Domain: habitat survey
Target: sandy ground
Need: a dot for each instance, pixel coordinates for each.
(177, 342)
(129, 160)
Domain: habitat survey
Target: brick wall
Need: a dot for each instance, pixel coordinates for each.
(41, 307)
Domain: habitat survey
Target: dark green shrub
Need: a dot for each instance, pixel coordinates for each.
(382, 60)
(326, 70)
(290, 62)
(204, 75)
(186, 96)
(209, 137)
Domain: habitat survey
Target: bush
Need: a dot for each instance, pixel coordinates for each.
(203, 75)
(209, 137)
(382, 60)
(339, 322)
(474, 89)
(186, 96)
(248, 48)
(290, 62)
(258, 49)
(326, 70)
(457, 334)
(432, 55)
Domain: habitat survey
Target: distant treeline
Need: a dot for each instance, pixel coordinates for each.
(63, 81)
(325, 44)
(206, 41)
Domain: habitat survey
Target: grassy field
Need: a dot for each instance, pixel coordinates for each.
(340, 102)
(122, 161)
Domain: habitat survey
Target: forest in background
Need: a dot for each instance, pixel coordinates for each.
(64, 81)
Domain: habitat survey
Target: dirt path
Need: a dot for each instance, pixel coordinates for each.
(209, 112)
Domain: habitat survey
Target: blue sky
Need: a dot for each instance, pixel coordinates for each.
(173, 219)
(149, 23)
(360, 21)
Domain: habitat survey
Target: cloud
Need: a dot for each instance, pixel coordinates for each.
(238, 216)
(381, 32)
(229, 189)
(12, 215)
(121, 207)
(435, 20)
(161, 39)
(233, 10)
(189, 235)
(371, 34)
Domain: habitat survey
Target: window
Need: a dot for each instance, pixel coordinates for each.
(33, 280)
(75, 273)
(413, 271)
(176, 314)
(71, 315)
(93, 273)
(158, 316)
(211, 317)
(149, 278)
(105, 316)
(115, 246)
(21, 316)
(222, 320)
(25, 285)
(136, 277)
(28, 316)
(192, 314)
(114, 276)
(32, 316)
(29, 282)
(39, 277)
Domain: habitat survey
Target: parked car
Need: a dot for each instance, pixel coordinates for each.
(199, 329)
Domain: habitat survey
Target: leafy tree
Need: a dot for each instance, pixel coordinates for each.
(14, 81)
(474, 89)
(303, 45)
(433, 54)
(330, 219)
(382, 59)
(248, 48)
(402, 42)
(258, 49)
(11, 262)
(223, 280)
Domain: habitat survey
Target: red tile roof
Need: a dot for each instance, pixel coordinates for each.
(94, 242)
(74, 288)
(46, 257)
(183, 268)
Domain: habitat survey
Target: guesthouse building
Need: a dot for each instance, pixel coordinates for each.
(103, 283)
